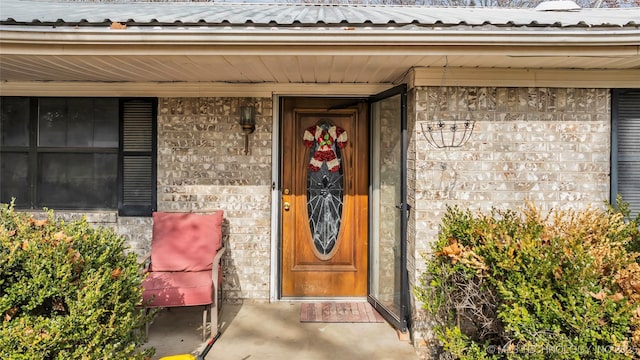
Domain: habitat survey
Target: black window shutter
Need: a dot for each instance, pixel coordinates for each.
(137, 186)
(626, 147)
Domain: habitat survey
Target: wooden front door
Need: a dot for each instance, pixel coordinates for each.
(325, 176)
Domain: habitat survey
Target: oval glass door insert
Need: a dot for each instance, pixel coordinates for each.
(325, 185)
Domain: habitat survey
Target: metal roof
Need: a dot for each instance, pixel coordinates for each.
(81, 13)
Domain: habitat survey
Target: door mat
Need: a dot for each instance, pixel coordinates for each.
(339, 312)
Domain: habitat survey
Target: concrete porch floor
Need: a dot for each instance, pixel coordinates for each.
(274, 331)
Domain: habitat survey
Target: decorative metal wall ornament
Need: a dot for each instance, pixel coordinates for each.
(446, 133)
(441, 133)
(325, 185)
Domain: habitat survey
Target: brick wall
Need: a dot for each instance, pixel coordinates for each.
(546, 145)
(202, 167)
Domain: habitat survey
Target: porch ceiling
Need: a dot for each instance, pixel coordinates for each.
(259, 68)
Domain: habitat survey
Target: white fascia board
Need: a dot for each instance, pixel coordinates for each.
(183, 89)
(560, 78)
(164, 40)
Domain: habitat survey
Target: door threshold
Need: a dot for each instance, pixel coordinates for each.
(325, 299)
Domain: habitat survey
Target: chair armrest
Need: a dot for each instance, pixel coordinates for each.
(216, 264)
(216, 260)
(146, 264)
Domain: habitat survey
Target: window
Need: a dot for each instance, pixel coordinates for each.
(625, 154)
(78, 153)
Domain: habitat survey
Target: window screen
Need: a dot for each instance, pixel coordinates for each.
(626, 147)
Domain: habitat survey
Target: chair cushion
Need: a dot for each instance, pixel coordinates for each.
(167, 289)
(185, 241)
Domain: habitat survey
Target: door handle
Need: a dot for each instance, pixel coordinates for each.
(286, 206)
(403, 206)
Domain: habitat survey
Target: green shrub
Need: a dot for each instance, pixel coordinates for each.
(522, 285)
(67, 291)
(624, 209)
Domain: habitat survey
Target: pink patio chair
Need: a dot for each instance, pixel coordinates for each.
(185, 265)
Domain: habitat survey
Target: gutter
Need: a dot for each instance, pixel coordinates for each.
(159, 40)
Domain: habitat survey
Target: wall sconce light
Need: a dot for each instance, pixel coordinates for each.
(248, 123)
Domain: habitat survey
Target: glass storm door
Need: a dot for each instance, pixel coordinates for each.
(388, 291)
(324, 205)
